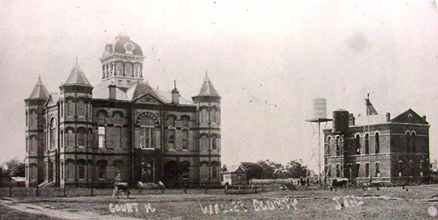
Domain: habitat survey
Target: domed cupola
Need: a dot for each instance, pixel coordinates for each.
(122, 62)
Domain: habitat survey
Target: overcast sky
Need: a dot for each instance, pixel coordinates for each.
(268, 60)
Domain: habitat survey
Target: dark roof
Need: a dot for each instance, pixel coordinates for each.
(208, 89)
(39, 91)
(409, 116)
(140, 89)
(77, 78)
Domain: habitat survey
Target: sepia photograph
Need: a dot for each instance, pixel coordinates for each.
(218, 109)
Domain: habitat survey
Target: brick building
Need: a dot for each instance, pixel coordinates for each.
(377, 147)
(86, 135)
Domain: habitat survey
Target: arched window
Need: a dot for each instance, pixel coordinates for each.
(27, 118)
(101, 117)
(338, 150)
(52, 133)
(367, 143)
(377, 140)
(408, 141)
(170, 122)
(338, 170)
(185, 121)
(357, 143)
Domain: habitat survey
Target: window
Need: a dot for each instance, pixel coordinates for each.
(338, 170)
(338, 150)
(357, 143)
(81, 137)
(408, 141)
(52, 137)
(367, 169)
(146, 138)
(101, 134)
(81, 169)
(214, 143)
(329, 171)
(70, 108)
(204, 116)
(185, 121)
(170, 121)
(329, 139)
(377, 140)
(70, 138)
(213, 115)
(81, 109)
(377, 170)
(185, 144)
(367, 143)
(61, 142)
(413, 139)
(27, 118)
(171, 136)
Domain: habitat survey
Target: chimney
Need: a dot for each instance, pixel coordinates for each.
(175, 94)
(388, 117)
(351, 119)
(112, 91)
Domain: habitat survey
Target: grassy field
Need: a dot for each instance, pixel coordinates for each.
(386, 203)
(11, 214)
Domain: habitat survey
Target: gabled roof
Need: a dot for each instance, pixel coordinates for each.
(39, 91)
(77, 78)
(140, 89)
(409, 116)
(208, 89)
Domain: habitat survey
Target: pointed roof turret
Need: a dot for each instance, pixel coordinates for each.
(207, 88)
(77, 77)
(39, 91)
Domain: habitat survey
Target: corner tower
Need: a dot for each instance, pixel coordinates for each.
(122, 62)
(76, 131)
(35, 133)
(208, 103)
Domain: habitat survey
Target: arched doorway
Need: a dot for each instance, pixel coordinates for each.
(171, 173)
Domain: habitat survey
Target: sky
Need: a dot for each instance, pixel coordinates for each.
(267, 59)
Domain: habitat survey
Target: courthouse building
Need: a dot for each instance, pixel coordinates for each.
(376, 147)
(85, 134)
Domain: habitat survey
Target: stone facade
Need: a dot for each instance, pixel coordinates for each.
(85, 135)
(378, 149)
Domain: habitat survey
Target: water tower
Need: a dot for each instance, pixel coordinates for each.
(319, 116)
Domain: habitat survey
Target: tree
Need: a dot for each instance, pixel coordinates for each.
(14, 167)
(296, 170)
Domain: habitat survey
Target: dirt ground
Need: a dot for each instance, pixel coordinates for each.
(417, 202)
